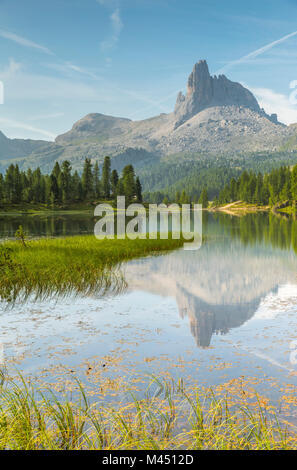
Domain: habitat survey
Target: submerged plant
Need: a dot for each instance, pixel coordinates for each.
(175, 418)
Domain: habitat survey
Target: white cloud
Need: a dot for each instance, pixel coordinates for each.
(24, 42)
(116, 28)
(277, 103)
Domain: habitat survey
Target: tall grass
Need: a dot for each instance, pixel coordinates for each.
(173, 418)
(79, 264)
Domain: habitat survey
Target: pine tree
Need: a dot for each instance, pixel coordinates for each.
(55, 179)
(120, 188)
(17, 185)
(294, 183)
(106, 177)
(77, 190)
(138, 190)
(97, 185)
(9, 194)
(87, 180)
(36, 186)
(114, 182)
(54, 190)
(203, 200)
(56, 170)
(65, 181)
(128, 177)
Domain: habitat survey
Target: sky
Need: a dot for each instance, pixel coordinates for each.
(63, 59)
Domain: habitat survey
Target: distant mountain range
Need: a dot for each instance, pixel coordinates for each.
(216, 117)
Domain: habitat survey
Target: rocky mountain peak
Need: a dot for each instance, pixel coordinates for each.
(205, 91)
(199, 81)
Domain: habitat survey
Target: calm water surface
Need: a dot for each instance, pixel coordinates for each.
(227, 311)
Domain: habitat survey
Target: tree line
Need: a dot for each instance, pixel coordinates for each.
(180, 197)
(280, 185)
(193, 172)
(63, 186)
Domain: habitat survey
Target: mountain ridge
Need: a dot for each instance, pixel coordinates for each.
(205, 91)
(215, 116)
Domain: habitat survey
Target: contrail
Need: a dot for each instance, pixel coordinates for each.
(24, 42)
(21, 125)
(251, 55)
(254, 54)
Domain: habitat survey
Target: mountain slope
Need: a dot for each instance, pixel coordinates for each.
(216, 116)
(14, 148)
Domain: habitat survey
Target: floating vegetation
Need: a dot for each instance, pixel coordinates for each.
(168, 416)
(72, 265)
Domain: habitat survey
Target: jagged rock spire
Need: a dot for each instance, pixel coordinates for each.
(204, 91)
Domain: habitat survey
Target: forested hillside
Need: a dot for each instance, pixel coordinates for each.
(193, 172)
(280, 185)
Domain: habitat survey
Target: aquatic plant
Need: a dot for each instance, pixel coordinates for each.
(169, 416)
(61, 266)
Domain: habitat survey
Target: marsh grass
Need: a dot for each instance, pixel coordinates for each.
(62, 266)
(168, 417)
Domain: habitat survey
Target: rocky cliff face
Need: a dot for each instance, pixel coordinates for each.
(215, 116)
(204, 91)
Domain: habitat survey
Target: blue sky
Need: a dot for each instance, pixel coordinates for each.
(63, 59)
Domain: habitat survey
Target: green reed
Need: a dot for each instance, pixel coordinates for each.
(62, 266)
(173, 418)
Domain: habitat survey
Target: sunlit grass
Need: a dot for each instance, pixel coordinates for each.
(168, 417)
(79, 264)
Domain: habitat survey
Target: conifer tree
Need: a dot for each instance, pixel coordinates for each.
(203, 200)
(106, 177)
(97, 184)
(138, 189)
(114, 182)
(87, 180)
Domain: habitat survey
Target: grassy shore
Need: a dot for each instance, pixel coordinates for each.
(79, 264)
(168, 416)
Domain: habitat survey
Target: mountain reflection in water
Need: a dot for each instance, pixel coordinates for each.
(221, 286)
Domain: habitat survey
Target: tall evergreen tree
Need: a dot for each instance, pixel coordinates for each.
(87, 180)
(65, 181)
(54, 190)
(114, 182)
(97, 184)
(106, 177)
(294, 183)
(203, 200)
(138, 189)
(128, 177)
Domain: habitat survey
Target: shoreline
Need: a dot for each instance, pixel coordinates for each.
(239, 208)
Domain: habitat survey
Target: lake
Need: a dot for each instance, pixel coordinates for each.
(222, 316)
